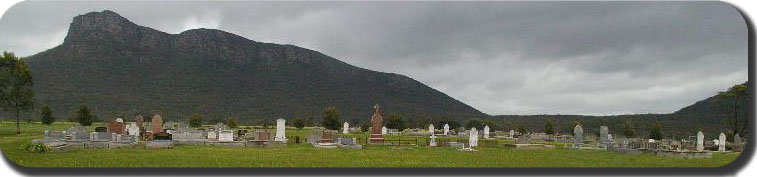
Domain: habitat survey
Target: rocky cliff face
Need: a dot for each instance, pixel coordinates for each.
(120, 68)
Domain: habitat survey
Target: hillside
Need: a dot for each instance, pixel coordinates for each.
(119, 68)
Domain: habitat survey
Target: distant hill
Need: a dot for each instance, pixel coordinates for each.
(117, 68)
(707, 115)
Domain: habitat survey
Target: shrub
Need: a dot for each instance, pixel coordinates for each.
(35, 147)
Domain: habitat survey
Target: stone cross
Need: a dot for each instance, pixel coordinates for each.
(473, 137)
(446, 129)
(280, 130)
(722, 141)
(346, 128)
(486, 132)
(700, 141)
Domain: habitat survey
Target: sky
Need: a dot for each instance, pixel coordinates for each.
(514, 58)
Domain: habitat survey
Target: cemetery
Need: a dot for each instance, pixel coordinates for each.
(178, 139)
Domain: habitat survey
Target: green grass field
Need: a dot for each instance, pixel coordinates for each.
(303, 155)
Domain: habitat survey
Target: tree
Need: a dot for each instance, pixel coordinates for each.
(364, 127)
(195, 120)
(298, 122)
(452, 124)
(735, 93)
(83, 116)
(656, 132)
(16, 92)
(395, 121)
(46, 115)
(521, 129)
(628, 129)
(549, 128)
(475, 123)
(232, 122)
(330, 118)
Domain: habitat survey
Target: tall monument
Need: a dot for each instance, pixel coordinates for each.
(376, 124)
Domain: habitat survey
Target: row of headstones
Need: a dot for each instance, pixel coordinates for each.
(77, 135)
(119, 127)
(606, 139)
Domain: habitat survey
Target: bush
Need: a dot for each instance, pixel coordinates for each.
(35, 147)
(298, 122)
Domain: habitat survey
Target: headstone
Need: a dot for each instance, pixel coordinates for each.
(376, 124)
(512, 133)
(383, 130)
(226, 136)
(101, 129)
(182, 127)
(116, 127)
(722, 140)
(139, 121)
(212, 135)
(161, 136)
(486, 132)
(700, 141)
(262, 135)
(431, 129)
(524, 139)
(55, 136)
(432, 142)
(281, 130)
(169, 125)
(737, 143)
(446, 129)
(473, 137)
(346, 128)
(132, 129)
(327, 137)
(578, 136)
(603, 132)
(157, 124)
(120, 120)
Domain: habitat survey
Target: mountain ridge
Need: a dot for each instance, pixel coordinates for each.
(121, 69)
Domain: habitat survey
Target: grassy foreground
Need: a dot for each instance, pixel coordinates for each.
(303, 155)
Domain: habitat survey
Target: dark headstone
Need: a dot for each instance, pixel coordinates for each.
(116, 127)
(157, 124)
(101, 129)
(376, 124)
(161, 136)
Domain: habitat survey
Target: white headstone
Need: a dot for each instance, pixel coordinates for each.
(226, 136)
(432, 142)
(280, 130)
(346, 128)
(446, 129)
(132, 129)
(473, 137)
(120, 120)
(383, 130)
(609, 138)
(431, 129)
(486, 132)
(212, 135)
(700, 141)
(512, 133)
(722, 141)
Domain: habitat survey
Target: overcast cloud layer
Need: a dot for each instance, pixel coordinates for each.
(593, 58)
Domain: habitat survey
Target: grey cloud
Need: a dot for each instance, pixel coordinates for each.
(499, 57)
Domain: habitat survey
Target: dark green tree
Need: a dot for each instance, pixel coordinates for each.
(330, 118)
(232, 122)
(16, 92)
(735, 93)
(628, 129)
(549, 127)
(656, 131)
(395, 121)
(453, 125)
(521, 129)
(298, 122)
(83, 116)
(46, 114)
(195, 120)
(475, 123)
(364, 127)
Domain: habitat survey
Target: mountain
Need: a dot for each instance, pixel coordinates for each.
(118, 68)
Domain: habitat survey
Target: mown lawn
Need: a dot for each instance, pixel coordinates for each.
(303, 155)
